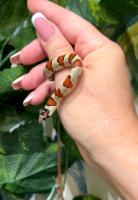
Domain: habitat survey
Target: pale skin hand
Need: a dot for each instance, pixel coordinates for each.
(99, 114)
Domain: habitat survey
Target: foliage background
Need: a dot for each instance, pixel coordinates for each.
(28, 159)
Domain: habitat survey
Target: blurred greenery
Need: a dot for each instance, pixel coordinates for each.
(28, 159)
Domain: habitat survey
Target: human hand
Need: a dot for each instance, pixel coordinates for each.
(99, 114)
(102, 102)
(103, 96)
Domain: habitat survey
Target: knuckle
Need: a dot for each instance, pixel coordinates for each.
(58, 49)
(118, 51)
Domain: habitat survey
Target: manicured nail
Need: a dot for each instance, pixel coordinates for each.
(14, 65)
(17, 83)
(43, 27)
(14, 59)
(28, 99)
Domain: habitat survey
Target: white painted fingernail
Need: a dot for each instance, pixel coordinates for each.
(37, 15)
(28, 99)
(44, 28)
(14, 65)
(16, 84)
(14, 59)
(18, 80)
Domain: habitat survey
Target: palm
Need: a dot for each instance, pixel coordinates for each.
(98, 97)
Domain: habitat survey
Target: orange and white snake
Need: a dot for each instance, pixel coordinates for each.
(68, 60)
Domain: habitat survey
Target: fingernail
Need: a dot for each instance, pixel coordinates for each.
(17, 83)
(28, 99)
(14, 59)
(14, 65)
(43, 27)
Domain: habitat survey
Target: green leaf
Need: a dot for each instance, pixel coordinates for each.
(27, 138)
(28, 161)
(6, 51)
(92, 11)
(124, 11)
(24, 35)
(7, 76)
(36, 181)
(16, 23)
(20, 131)
(2, 45)
(12, 14)
(60, 2)
(4, 195)
(41, 182)
(17, 167)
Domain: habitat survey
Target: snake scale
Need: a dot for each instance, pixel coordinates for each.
(67, 60)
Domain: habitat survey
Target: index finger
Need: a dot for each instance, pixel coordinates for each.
(71, 25)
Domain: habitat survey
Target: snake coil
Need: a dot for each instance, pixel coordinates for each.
(67, 60)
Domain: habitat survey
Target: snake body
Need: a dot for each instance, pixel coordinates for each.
(67, 60)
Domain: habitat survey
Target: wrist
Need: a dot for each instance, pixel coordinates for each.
(117, 161)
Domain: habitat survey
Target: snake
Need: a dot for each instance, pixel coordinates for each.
(71, 60)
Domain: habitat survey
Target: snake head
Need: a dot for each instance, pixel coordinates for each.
(43, 115)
